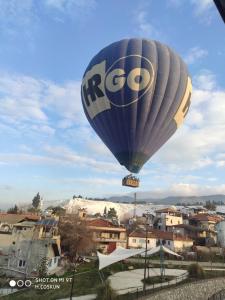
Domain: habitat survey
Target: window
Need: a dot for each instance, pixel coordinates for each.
(168, 242)
(22, 263)
(134, 241)
(55, 260)
(171, 221)
(148, 241)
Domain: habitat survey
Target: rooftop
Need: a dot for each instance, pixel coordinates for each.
(159, 234)
(16, 218)
(206, 217)
(102, 223)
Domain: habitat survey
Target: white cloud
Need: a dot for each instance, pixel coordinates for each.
(183, 189)
(12, 12)
(65, 101)
(143, 26)
(66, 6)
(195, 54)
(202, 6)
(67, 155)
(98, 182)
(21, 18)
(205, 81)
(24, 98)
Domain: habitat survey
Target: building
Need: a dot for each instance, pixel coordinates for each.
(201, 236)
(137, 239)
(205, 221)
(167, 217)
(24, 247)
(220, 228)
(7, 221)
(175, 242)
(106, 235)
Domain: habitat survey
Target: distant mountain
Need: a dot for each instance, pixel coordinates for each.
(122, 199)
(172, 200)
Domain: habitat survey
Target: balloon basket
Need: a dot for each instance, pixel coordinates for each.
(131, 181)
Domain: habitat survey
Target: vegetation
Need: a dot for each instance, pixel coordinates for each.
(76, 239)
(112, 213)
(158, 279)
(43, 267)
(36, 202)
(196, 271)
(87, 281)
(105, 292)
(210, 205)
(13, 210)
(57, 210)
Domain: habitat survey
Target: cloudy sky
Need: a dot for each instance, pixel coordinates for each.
(46, 144)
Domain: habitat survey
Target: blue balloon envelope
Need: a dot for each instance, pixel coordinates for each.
(135, 94)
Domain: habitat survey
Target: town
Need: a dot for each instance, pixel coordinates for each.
(37, 242)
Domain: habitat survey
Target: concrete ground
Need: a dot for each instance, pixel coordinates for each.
(192, 291)
(128, 281)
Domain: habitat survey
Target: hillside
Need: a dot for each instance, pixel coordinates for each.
(123, 209)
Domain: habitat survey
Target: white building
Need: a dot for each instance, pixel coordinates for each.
(175, 242)
(137, 239)
(168, 217)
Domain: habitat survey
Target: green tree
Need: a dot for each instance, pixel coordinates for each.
(196, 271)
(105, 292)
(43, 267)
(210, 205)
(13, 210)
(58, 211)
(36, 201)
(112, 213)
(105, 212)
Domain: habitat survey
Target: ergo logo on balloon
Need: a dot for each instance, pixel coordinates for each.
(102, 88)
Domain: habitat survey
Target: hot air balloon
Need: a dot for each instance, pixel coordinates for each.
(220, 4)
(135, 94)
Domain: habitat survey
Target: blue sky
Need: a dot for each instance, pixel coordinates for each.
(47, 145)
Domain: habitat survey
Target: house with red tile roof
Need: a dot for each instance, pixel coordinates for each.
(175, 242)
(7, 221)
(107, 235)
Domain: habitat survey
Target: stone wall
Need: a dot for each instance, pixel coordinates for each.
(201, 290)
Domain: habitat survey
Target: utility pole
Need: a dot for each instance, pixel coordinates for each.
(162, 265)
(146, 249)
(135, 205)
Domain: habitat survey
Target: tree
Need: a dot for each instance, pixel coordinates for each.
(112, 213)
(13, 210)
(210, 205)
(36, 201)
(76, 238)
(58, 211)
(105, 212)
(105, 292)
(196, 271)
(43, 267)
